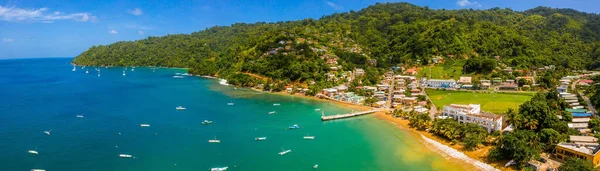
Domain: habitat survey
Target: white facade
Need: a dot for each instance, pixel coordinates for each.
(472, 114)
(434, 83)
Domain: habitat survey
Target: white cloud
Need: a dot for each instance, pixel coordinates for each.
(7, 40)
(135, 11)
(140, 32)
(113, 31)
(334, 6)
(464, 3)
(14, 14)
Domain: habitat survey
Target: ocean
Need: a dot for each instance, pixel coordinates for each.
(40, 95)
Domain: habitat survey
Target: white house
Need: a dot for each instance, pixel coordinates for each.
(435, 83)
(472, 114)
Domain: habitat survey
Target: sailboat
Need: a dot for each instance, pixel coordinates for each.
(214, 140)
(260, 138)
(218, 168)
(206, 122)
(283, 152)
(125, 155)
(309, 137)
(98, 72)
(47, 132)
(33, 151)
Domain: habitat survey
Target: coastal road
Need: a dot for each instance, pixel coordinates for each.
(391, 91)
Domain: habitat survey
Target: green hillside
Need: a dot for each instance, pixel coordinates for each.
(373, 38)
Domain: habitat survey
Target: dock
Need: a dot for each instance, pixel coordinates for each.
(348, 115)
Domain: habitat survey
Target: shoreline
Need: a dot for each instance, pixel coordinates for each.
(476, 158)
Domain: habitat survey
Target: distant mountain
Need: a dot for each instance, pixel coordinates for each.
(374, 38)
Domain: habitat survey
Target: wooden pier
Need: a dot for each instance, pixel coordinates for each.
(349, 115)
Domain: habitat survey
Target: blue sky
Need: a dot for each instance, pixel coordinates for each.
(63, 28)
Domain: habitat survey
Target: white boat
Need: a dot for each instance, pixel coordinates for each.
(284, 152)
(123, 73)
(271, 112)
(74, 68)
(177, 73)
(260, 138)
(309, 137)
(223, 82)
(230, 104)
(214, 140)
(145, 125)
(32, 152)
(177, 76)
(79, 116)
(276, 104)
(87, 72)
(295, 126)
(38, 170)
(218, 168)
(317, 109)
(180, 108)
(316, 166)
(206, 122)
(125, 155)
(185, 74)
(132, 69)
(47, 132)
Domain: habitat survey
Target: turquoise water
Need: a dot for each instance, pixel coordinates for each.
(44, 94)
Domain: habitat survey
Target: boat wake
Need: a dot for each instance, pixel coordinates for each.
(458, 155)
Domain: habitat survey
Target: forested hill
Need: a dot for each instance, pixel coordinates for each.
(376, 37)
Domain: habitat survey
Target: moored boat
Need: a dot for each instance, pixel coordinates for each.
(283, 152)
(180, 108)
(260, 138)
(125, 155)
(144, 125)
(214, 140)
(271, 112)
(295, 126)
(206, 122)
(219, 168)
(309, 137)
(32, 152)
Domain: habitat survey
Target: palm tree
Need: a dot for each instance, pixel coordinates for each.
(512, 117)
(530, 123)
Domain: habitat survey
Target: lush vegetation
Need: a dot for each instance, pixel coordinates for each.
(448, 70)
(536, 128)
(576, 164)
(375, 38)
(490, 102)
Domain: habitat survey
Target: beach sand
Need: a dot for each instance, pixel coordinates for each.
(479, 154)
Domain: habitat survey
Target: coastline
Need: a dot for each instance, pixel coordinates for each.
(476, 159)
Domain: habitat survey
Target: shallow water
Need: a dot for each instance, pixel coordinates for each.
(44, 94)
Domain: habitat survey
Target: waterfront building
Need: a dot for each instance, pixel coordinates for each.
(472, 114)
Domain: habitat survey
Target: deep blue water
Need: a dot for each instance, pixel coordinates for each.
(44, 94)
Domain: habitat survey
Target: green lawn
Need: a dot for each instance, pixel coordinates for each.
(449, 70)
(491, 102)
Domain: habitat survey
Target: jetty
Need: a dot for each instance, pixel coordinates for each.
(348, 115)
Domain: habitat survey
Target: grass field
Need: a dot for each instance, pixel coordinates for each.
(491, 102)
(449, 70)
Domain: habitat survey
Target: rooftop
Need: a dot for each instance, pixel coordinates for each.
(589, 149)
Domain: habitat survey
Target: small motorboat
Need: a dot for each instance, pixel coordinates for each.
(123, 73)
(125, 155)
(284, 152)
(180, 108)
(276, 104)
(177, 76)
(230, 104)
(317, 109)
(206, 122)
(316, 166)
(47, 132)
(309, 137)
(260, 138)
(295, 126)
(271, 112)
(218, 168)
(74, 68)
(87, 72)
(214, 140)
(79, 116)
(144, 125)
(38, 170)
(32, 152)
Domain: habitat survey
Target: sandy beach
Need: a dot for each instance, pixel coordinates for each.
(479, 154)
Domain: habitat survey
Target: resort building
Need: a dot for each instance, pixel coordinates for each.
(435, 83)
(472, 114)
(583, 147)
